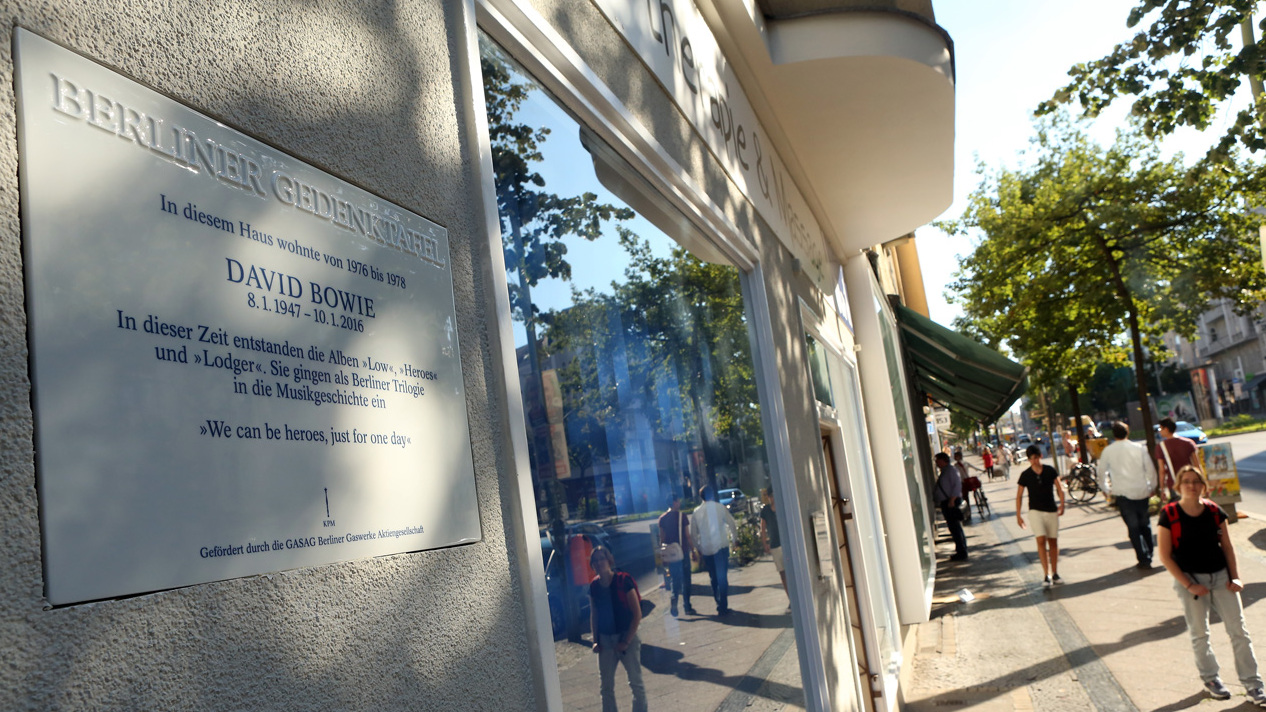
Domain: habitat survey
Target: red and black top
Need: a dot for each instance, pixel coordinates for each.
(1197, 540)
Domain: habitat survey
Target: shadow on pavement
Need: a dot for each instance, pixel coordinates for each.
(1258, 539)
(665, 661)
(1253, 592)
(1054, 666)
(1188, 702)
(1104, 582)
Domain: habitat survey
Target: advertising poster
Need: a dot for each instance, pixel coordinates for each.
(1219, 467)
(1178, 406)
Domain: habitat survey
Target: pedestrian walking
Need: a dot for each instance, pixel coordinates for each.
(1196, 549)
(1172, 453)
(1126, 471)
(1042, 483)
(769, 535)
(674, 537)
(947, 494)
(714, 528)
(615, 612)
(986, 457)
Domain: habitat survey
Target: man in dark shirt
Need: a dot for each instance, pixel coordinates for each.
(674, 527)
(947, 493)
(1173, 453)
(1042, 482)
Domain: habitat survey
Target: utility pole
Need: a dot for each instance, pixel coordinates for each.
(1254, 76)
(1255, 84)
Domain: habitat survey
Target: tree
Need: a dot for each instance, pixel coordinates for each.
(1182, 69)
(534, 223)
(1089, 243)
(677, 328)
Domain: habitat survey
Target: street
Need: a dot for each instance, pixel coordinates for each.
(1250, 460)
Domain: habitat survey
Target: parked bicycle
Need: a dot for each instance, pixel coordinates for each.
(1082, 482)
(975, 492)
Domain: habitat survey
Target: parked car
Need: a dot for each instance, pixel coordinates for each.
(593, 531)
(733, 500)
(1184, 429)
(556, 588)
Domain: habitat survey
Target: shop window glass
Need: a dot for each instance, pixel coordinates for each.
(901, 405)
(819, 372)
(866, 505)
(638, 386)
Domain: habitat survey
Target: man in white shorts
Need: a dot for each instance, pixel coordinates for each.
(1042, 482)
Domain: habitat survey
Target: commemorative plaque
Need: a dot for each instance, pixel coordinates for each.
(241, 364)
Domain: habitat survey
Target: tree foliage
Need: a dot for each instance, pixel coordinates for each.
(664, 351)
(1088, 243)
(1182, 70)
(534, 221)
(668, 347)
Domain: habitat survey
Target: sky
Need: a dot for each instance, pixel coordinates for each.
(1010, 56)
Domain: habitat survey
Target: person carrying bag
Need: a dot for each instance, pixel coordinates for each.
(949, 492)
(674, 532)
(1196, 548)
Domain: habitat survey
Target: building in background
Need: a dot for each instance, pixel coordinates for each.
(1226, 361)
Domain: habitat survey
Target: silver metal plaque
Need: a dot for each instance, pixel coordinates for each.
(241, 364)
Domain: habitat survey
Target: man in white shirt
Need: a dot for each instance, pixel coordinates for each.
(1126, 471)
(713, 529)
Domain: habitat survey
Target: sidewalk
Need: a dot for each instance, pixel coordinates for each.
(745, 661)
(1111, 638)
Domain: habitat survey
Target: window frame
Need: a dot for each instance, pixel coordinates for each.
(533, 43)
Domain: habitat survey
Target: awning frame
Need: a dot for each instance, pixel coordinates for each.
(958, 372)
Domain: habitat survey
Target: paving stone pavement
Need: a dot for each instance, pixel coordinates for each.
(744, 661)
(1111, 638)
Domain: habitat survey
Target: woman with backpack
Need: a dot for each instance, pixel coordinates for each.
(615, 612)
(1196, 549)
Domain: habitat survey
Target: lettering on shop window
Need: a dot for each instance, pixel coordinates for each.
(676, 45)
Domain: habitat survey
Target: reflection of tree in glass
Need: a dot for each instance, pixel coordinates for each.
(533, 220)
(533, 225)
(677, 327)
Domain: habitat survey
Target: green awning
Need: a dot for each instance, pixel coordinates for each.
(958, 372)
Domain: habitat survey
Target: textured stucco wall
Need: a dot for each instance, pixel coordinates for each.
(369, 91)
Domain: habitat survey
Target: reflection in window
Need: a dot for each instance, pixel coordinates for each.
(819, 372)
(870, 528)
(638, 388)
(901, 405)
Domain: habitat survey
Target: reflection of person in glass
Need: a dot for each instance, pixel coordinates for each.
(674, 528)
(769, 534)
(714, 528)
(615, 612)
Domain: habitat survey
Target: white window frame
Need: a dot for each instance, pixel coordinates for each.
(842, 346)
